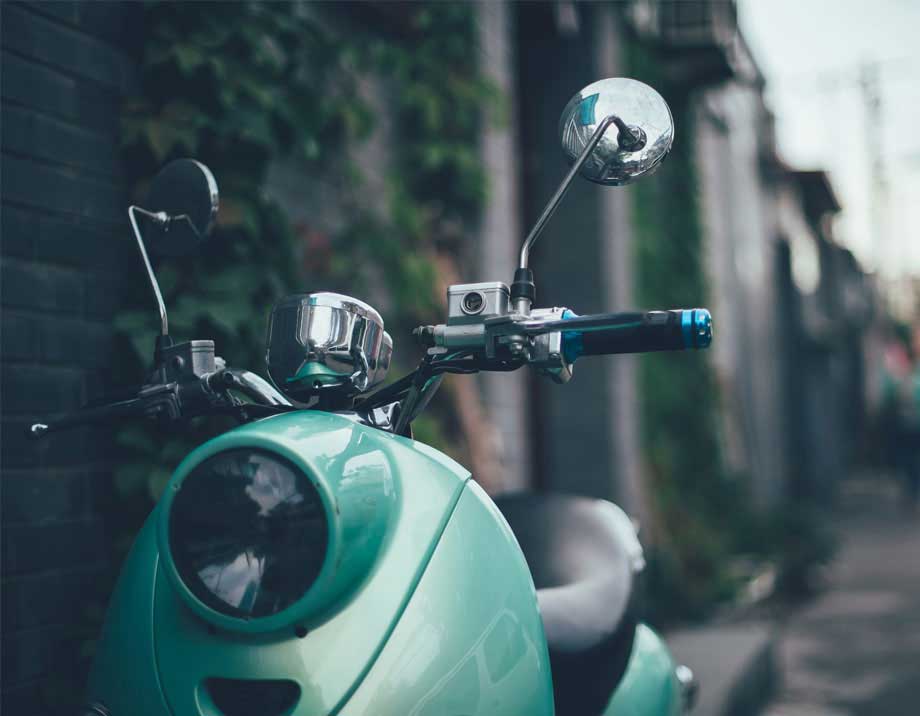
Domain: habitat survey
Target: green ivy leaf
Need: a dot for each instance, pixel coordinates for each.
(188, 58)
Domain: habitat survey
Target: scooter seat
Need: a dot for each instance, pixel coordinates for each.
(583, 554)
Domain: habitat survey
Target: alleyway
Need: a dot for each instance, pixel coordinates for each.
(855, 650)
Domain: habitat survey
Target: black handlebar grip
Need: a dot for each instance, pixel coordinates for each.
(610, 333)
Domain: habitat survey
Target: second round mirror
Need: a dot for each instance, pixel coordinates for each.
(186, 191)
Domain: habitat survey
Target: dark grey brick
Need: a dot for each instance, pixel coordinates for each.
(20, 339)
(55, 339)
(100, 248)
(26, 131)
(39, 287)
(108, 19)
(65, 245)
(25, 699)
(33, 390)
(26, 233)
(103, 293)
(40, 496)
(30, 602)
(17, 232)
(70, 51)
(30, 549)
(75, 342)
(33, 85)
(29, 654)
(59, 189)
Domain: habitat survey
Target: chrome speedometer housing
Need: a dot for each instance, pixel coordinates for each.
(324, 339)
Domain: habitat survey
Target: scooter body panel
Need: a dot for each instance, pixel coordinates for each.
(327, 664)
(649, 685)
(446, 622)
(471, 640)
(124, 676)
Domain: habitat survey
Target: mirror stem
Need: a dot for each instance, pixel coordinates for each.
(521, 303)
(553, 203)
(160, 218)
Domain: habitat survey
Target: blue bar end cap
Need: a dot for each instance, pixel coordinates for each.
(696, 325)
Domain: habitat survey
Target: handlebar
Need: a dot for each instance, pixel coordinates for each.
(201, 396)
(634, 332)
(87, 416)
(253, 386)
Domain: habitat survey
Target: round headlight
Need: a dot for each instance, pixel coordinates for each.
(248, 533)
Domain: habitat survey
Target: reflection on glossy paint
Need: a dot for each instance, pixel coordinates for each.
(494, 654)
(504, 646)
(470, 642)
(457, 695)
(321, 443)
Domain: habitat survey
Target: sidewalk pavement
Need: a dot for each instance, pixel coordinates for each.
(855, 650)
(852, 651)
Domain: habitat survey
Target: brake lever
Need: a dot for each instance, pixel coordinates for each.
(157, 401)
(86, 416)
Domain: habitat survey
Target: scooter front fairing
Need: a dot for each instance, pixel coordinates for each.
(448, 601)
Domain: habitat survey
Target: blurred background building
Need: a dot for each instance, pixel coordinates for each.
(779, 406)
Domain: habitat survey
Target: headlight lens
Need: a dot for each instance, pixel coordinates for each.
(248, 533)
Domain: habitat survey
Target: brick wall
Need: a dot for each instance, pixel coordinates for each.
(65, 251)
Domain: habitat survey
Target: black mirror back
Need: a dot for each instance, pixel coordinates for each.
(186, 191)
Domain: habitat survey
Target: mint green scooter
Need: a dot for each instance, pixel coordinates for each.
(317, 561)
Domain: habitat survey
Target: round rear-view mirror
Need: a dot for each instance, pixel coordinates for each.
(617, 159)
(186, 192)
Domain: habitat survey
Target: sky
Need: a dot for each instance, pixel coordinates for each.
(812, 53)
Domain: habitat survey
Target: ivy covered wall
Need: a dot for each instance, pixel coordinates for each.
(244, 86)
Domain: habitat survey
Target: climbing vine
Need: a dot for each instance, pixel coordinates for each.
(243, 87)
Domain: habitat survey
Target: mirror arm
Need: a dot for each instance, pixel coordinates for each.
(184, 218)
(160, 218)
(522, 302)
(553, 203)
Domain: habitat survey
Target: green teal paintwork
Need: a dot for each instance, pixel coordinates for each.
(127, 637)
(313, 371)
(470, 642)
(425, 604)
(356, 482)
(334, 657)
(649, 686)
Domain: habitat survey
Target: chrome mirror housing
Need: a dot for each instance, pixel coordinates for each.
(643, 137)
(325, 340)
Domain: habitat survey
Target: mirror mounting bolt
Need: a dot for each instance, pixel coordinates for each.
(523, 291)
(631, 138)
